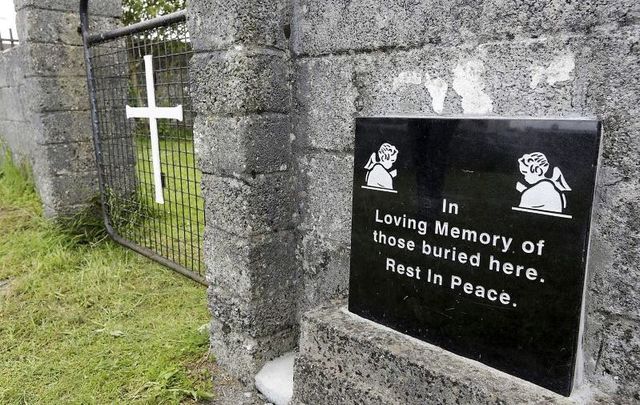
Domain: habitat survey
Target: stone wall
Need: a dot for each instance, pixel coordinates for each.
(495, 58)
(14, 122)
(44, 105)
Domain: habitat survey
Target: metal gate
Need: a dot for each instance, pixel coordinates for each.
(142, 120)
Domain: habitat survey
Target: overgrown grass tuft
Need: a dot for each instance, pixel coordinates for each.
(83, 320)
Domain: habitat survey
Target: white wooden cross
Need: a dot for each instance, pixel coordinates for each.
(154, 113)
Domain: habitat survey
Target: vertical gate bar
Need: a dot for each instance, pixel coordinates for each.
(84, 27)
(169, 151)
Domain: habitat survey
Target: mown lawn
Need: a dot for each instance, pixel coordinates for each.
(83, 320)
(181, 218)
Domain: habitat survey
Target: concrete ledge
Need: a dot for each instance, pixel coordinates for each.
(345, 359)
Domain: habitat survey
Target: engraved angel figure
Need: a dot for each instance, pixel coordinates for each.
(379, 175)
(541, 193)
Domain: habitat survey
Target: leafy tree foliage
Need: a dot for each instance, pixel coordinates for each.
(141, 10)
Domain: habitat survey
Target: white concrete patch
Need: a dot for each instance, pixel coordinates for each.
(559, 70)
(275, 380)
(407, 77)
(469, 84)
(437, 88)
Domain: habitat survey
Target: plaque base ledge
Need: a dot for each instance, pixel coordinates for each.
(347, 359)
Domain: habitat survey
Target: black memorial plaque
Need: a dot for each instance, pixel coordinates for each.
(472, 234)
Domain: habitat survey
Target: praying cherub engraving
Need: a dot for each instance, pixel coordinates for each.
(379, 174)
(541, 194)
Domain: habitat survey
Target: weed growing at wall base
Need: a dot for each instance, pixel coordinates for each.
(83, 320)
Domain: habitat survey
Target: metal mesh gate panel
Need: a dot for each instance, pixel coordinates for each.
(143, 130)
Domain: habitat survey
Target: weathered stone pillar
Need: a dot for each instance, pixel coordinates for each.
(239, 84)
(56, 99)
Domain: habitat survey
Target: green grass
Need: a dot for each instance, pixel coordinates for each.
(138, 217)
(83, 320)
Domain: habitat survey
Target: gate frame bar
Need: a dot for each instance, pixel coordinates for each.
(91, 39)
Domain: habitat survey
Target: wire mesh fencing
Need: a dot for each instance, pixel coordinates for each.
(144, 140)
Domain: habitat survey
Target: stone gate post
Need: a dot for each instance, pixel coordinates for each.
(240, 89)
(60, 147)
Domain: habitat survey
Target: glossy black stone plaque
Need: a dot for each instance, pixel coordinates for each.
(472, 234)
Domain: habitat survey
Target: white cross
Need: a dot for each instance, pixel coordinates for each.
(154, 113)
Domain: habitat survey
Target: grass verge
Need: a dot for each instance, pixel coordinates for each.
(83, 320)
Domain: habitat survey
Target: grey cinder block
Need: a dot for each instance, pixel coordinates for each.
(247, 206)
(240, 82)
(243, 144)
(218, 25)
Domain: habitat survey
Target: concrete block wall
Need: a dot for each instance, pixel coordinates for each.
(14, 122)
(443, 58)
(44, 104)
